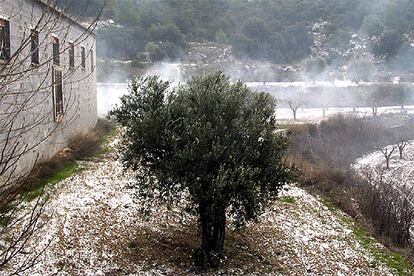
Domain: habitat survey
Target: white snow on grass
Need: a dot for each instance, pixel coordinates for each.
(401, 170)
(317, 242)
(92, 217)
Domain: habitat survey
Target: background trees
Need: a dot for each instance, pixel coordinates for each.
(211, 142)
(279, 31)
(314, 67)
(360, 70)
(372, 26)
(388, 45)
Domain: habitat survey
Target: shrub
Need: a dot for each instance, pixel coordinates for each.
(83, 145)
(340, 140)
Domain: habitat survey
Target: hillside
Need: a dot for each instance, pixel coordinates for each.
(339, 35)
(89, 214)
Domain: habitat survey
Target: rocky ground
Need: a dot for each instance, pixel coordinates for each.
(94, 227)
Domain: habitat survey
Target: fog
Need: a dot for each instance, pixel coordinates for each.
(336, 96)
(109, 93)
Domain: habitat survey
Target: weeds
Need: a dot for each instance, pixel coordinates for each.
(38, 184)
(287, 199)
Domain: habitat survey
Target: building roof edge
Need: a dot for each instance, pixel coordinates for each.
(64, 15)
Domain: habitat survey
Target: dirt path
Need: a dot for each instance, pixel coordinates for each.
(95, 229)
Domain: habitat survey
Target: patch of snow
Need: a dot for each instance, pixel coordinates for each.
(402, 170)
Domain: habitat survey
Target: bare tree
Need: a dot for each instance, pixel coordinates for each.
(36, 62)
(294, 105)
(387, 154)
(374, 110)
(324, 109)
(401, 144)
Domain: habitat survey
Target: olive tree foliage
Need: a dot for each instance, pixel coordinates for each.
(210, 141)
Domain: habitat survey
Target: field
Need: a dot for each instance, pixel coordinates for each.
(94, 227)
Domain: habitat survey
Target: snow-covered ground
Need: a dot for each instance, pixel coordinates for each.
(303, 84)
(92, 217)
(401, 170)
(316, 114)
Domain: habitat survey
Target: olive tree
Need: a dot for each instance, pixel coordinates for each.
(211, 141)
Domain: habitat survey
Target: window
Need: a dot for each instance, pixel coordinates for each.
(35, 47)
(71, 55)
(57, 88)
(56, 51)
(4, 40)
(83, 57)
(92, 62)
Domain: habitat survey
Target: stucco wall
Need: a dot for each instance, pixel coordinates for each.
(46, 136)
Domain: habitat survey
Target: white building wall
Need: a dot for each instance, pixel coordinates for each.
(46, 137)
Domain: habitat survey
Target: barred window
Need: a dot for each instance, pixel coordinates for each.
(71, 55)
(35, 46)
(56, 51)
(83, 57)
(57, 94)
(4, 40)
(92, 62)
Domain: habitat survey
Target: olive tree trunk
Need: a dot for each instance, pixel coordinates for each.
(213, 228)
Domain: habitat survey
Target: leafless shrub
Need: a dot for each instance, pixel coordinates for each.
(339, 140)
(334, 184)
(376, 199)
(83, 145)
(103, 126)
(388, 206)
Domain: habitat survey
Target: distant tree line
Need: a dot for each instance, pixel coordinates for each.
(273, 30)
(362, 96)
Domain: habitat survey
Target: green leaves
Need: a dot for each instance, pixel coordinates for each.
(209, 140)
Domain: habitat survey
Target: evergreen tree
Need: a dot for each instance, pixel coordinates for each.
(210, 141)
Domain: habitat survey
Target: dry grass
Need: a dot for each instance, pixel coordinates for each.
(173, 247)
(64, 163)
